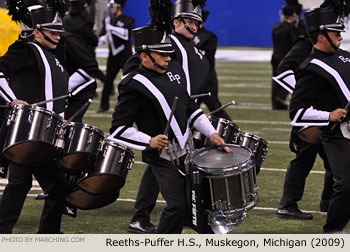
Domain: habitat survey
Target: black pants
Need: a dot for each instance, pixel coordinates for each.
(297, 171)
(20, 181)
(172, 185)
(114, 64)
(337, 149)
(146, 196)
(212, 101)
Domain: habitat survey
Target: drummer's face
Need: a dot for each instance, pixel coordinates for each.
(161, 59)
(52, 35)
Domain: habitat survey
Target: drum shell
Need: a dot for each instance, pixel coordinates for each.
(256, 144)
(231, 189)
(81, 143)
(113, 164)
(31, 134)
(87, 201)
(225, 128)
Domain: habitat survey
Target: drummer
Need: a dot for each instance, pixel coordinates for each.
(146, 97)
(185, 19)
(29, 84)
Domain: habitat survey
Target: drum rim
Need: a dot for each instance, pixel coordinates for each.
(116, 144)
(37, 108)
(86, 126)
(220, 119)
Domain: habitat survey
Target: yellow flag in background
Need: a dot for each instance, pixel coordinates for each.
(9, 31)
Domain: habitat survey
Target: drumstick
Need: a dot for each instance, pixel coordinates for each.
(167, 127)
(79, 111)
(337, 123)
(53, 99)
(200, 95)
(221, 108)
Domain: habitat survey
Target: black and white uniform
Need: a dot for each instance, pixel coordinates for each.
(39, 77)
(194, 63)
(300, 167)
(321, 88)
(82, 68)
(284, 35)
(117, 31)
(206, 41)
(146, 98)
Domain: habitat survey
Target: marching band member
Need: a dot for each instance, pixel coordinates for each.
(116, 30)
(320, 96)
(306, 153)
(146, 97)
(27, 85)
(184, 16)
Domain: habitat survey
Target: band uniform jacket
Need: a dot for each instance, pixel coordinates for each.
(194, 63)
(34, 74)
(118, 31)
(286, 76)
(82, 67)
(206, 41)
(146, 98)
(283, 37)
(322, 86)
(82, 25)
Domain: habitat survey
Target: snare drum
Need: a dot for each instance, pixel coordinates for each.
(229, 184)
(31, 134)
(113, 164)
(256, 144)
(225, 128)
(79, 143)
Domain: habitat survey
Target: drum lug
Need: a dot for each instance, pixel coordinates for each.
(91, 134)
(30, 116)
(11, 118)
(121, 157)
(49, 122)
(100, 146)
(131, 164)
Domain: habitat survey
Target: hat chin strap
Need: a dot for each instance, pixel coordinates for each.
(155, 63)
(187, 27)
(330, 40)
(47, 38)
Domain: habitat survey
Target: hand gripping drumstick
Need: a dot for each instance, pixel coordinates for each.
(52, 100)
(200, 95)
(337, 123)
(221, 108)
(79, 111)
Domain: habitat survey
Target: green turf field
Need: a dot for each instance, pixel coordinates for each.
(248, 83)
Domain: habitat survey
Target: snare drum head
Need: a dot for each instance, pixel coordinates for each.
(212, 159)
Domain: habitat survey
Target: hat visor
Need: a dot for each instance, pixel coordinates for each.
(335, 29)
(54, 28)
(163, 50)
(191, 15)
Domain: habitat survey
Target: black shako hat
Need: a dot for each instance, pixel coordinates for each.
(320, 19)
(46, 18)
(288, 10)
(151, 38)
(186, 9)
